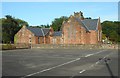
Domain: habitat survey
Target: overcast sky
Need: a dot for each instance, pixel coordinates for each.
(37, 13)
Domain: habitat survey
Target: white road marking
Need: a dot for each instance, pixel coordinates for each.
(100, 51)
(62, 65)
(94, 53)
(51, 68)
(97, 62)
(93, 64)
(90, 67)
(82, 71)
(89, 55)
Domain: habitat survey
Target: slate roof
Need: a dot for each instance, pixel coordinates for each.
(90, 23)
(39, 31)
(57, 33)
(82, 24)
(45, 30)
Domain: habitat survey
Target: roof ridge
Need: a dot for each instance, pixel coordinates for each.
(97, 24)
(42, 32)
(83, 24)
(45, 29)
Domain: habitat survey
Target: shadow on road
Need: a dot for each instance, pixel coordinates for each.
(106, 60)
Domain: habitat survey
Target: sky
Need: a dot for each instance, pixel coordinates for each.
(119, 11)
(43, 13)
(59, 0)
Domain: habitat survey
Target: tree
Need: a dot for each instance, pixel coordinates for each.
(57, 23)
(88, 18)
(10, 26)
(114, 36)
(21, 22)
(47, 26)
(111, 30)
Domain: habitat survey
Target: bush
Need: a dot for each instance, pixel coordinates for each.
(8, 46)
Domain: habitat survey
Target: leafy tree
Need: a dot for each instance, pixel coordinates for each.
(47, 26)
(114, 36)
(103, 36)
(21, 22)
(111, 30)
(0, 30)
(10, 26)
(5, 37)
(57, 23)
(88, 18)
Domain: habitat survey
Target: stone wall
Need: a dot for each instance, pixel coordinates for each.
(93, 37)
(75, 33)
(59, 46)
(75, 46)
(25, 36)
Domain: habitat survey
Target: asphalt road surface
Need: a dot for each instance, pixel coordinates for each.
(27, 63)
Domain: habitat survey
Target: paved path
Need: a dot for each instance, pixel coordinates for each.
(60, 62)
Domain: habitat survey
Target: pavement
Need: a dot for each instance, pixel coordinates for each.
(25, 63)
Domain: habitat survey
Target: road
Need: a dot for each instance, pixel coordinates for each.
(27, 63)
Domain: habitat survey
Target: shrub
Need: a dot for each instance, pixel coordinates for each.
(8, 46)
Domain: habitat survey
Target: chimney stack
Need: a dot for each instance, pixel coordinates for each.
(79, 15)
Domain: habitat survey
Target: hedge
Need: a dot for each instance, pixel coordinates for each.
(8, 46)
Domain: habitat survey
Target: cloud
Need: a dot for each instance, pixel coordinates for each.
(109, 17)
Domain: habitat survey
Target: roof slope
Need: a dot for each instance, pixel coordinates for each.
(45, 30)
(38, 31)
(57, 33)
(90, 23)
(86, 28)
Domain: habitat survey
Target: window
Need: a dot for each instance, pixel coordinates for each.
(29, 40)
(61, 40)
(42, 39)
(54, 40)
(38, 40)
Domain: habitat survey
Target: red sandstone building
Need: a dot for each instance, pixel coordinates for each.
(77, 30)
